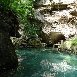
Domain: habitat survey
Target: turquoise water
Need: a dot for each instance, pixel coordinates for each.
(45, 63)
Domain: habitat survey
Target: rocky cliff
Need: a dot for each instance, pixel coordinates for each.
(9, 26)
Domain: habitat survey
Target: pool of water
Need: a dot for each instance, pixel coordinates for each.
(45, 63)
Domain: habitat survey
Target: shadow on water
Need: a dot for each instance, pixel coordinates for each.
(7, 73)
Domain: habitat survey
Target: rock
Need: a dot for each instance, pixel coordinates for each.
(9, 26)
(72, 20)
(63, 19)
(74, 13)
(56, 37)
(51, 38)
(9, 23)
(8, 57)
(44, 37)
(34, 42)
(13, 30)
(59, 6)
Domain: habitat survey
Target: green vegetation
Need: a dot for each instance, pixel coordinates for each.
(25, 12)
(24, 9)
(74, 41)
(71, 42)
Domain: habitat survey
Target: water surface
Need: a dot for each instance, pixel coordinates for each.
(45, 63)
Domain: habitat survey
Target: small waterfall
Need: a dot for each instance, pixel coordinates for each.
(57, 21)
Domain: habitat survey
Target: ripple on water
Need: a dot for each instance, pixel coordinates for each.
(45, 63)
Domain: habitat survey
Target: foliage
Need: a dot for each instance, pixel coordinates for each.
(74, 41)
(71, 42)
(5, 3)
(36, 2)
(24, 10)
(22, 7)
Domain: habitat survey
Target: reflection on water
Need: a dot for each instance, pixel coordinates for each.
(45, 63)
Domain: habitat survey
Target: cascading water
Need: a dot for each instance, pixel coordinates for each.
(64, 1)
(59, 20)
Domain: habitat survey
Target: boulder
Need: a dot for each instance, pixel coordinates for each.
(56, 37)
(51, 38)
(44, 37)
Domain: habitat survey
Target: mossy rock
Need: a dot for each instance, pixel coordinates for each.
(34, 42)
